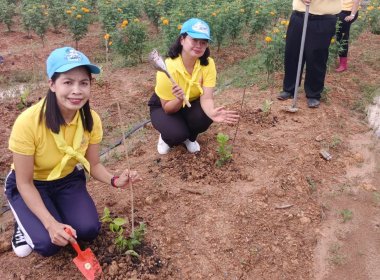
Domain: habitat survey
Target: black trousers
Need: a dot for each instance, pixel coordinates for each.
(344, 32)
(319, 33)
(175, 128)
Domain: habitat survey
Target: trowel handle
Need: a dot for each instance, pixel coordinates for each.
(76, 246)
(173, 82)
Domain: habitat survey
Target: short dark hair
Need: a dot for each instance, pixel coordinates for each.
(52, 116)
(176, 49)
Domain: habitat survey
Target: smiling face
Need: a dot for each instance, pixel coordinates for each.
(194, 47)
(72, 89)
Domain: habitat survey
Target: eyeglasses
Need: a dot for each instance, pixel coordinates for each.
(202, 43)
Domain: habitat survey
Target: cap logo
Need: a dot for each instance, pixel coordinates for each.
(200, 27)
(73, 55)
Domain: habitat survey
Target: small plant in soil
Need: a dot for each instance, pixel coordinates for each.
(23, 103)
(347, 215)
(266, 107)
(223, 151)
(312, 185)
(121, 243)
(99, 78)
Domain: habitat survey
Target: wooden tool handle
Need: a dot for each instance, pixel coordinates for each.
(184, 97)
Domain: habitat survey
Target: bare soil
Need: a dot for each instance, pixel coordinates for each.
(206, 222)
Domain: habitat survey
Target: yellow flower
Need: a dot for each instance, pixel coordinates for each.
(82, 0)
(226, 10)
(332, 41)
(272, 13)
(79, 16)
(276, 31)
(179, 14)
(162, 18)
(359, 16)
(179, 27)
(136, 20)
(214, 14)
(256, 12)
(268, 39)
(165, 22)
(283, 22)
(29, 10)
(107, 2)
(369, 19)
(107, 36)
(125, 22)
(284, 36)
(69, 12)
(218, 11)
(73, 8)
(260, 6)
(242, 10)
(110, 43)
(43, 6)
(287, 23)
(182, 10)
(119, 9)
(34, 7)
(359, 7)
(46, 13)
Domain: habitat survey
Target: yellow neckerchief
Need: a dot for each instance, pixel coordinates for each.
(70, 152)
(180, 67)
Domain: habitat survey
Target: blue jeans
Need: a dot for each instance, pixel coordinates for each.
(68, 202)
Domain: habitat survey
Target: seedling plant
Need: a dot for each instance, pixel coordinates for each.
(23, 102)
(266, 107)
(223, 150)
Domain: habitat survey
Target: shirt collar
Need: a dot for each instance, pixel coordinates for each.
(178, 65)
(75, 119)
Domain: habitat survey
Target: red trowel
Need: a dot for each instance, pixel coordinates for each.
(87, 262)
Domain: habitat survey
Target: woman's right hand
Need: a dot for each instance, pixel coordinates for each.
(59, 236)
(178, 92)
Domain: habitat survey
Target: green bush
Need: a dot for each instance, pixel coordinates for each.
(7, 12)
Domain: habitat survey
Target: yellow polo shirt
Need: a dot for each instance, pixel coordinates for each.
(28, 137)
(178, 71)
(320, 7)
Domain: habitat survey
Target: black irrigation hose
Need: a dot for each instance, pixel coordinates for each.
(144, 123)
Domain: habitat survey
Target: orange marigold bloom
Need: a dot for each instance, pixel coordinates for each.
(272, 13)
(110, 43)
(284, 36)
(73, 8)
(46, 13)
(107, 36)
(214, 14)
(333, 41)
(257, 12)
(242, 10)
(136, 20)
(165, 21)
(79, 16)
(179, 27)
(69, 12)
(125, 22)
(268, 39)
(43, 6)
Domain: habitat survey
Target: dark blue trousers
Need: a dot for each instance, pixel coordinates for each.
(68, 202)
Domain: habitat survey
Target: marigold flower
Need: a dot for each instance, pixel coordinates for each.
(369, 19)
(332, 41)
(165, 22)
(268, 39)
(162, 18)
(284, 36)
(257, 12)
(179, 14)
(214, 14)
(69, 12)
(34, 7)
(107, 36)
(107, 2)
(260, 6)
(179, 27)
(43, 6)
(82, 0)
(272, 13)
(276, 31)
(242, 10)
(79, 16)
(73, 8)
(46, 13)
(125, 22)
(136, 20)
(182, 10)
(110, 43)
(359, 7)
(359, 16)
(29, 10)
(119, 9)
(283, 22)
(287, 23)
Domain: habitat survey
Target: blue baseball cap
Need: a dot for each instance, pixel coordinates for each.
(64, 59)
(197, 29)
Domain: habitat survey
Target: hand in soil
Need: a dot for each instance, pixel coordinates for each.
(123, 181)
(59, 236)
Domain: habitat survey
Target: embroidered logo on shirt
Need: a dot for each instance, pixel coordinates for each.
(200, 27)
(73, 55)
(84, 141)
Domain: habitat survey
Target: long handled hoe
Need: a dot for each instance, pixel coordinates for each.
(129, 167)
(159, 64)
(293, 108)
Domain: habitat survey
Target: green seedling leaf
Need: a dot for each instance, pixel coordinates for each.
(119, 221)
(106, 219)
(132, 253)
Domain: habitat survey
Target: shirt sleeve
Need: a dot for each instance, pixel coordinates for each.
(164, 86)
(97, 132)
(22, 139)
(209, 74)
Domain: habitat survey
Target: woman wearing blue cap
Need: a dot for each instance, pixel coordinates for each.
(194, 72)
(46, 191)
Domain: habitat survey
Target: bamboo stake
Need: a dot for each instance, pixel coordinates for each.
(129, 166)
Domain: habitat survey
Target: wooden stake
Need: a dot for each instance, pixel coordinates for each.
(129, 166)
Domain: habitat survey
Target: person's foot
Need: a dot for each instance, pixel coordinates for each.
(312, 103)
(192, 147)
(162, 147)
(285, 95)
(19, 245)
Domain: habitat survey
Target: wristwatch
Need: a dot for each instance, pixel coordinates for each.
(352, 15)
(113, 181)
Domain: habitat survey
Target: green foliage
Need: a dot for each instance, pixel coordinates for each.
(23, 102)
(266, 107)
(77, 18)
(335, 46)
(152, 10)
(346, 215)
(7, 12)
(110, 13)
(99, 78)
(311, 183)
(56, 13)
(130, 40)
(34, 17)
(223, 151)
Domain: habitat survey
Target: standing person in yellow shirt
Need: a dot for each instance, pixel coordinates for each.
(45, 190)
(320, 30)
(347, 16)
(194, 73)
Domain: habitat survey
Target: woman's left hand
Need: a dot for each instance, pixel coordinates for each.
(348, 18)
(222, 116)
(123, 181)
